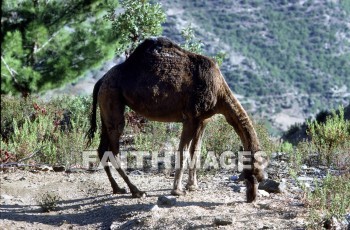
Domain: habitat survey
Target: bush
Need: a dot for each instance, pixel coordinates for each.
(331, 138)
(45, 132)
(287, 147)
(48, 201)
(220, 137)
(330, 145)
(329, 199)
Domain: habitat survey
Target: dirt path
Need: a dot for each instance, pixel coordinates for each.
(86, 203)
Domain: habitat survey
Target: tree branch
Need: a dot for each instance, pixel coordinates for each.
(31, 155)
(8, 68)
(47, 42)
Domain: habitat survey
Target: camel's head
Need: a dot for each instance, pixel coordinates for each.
(261, 161)
(255, 175)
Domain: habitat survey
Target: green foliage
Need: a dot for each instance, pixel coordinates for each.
(266, 143)
(48, 201)
(329, 145)
(331, 138)
(191, 43)
(220, 57)
(45, 44)
(220, 137)
(286, 147)
(329, 199)
(139, 20)
(51, 132)
(194, 45)
(156, 134)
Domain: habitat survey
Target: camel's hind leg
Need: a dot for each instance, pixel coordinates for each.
(113, 116)
(103, 147)
(195, 151)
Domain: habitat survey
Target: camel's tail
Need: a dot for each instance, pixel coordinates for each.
(91, 132)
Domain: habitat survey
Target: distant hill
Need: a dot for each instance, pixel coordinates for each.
(286, 60)
(289, 59)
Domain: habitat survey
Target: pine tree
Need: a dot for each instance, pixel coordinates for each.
(45, 44)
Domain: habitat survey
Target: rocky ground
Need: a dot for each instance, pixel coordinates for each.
(85, 202)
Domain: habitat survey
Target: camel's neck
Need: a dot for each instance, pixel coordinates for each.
(239, 119)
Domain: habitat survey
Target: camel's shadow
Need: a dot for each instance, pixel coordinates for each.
(87, 211)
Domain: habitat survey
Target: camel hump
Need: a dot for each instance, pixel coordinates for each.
(158, 42)
(154, 47)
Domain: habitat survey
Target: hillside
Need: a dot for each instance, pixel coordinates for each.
(287, 59)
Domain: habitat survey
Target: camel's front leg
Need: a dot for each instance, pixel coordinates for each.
(186, 137)
(195, 151)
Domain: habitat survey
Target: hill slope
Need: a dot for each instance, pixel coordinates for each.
(289, 59)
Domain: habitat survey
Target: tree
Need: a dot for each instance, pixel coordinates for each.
(45, 44)
(139, 20)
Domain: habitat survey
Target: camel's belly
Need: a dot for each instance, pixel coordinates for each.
(160, 107)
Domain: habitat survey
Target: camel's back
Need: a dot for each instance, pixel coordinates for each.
(161, 71)
(160, 58)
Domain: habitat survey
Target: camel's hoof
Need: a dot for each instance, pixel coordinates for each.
(119, 191)
(139, 194)
(192, 187)
(177, 192)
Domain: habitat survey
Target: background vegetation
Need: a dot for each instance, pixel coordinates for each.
(284, 43)
(286, 48)
(45, 44)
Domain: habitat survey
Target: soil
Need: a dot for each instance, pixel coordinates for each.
(86, 202)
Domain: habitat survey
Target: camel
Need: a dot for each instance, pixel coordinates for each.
(163, 82)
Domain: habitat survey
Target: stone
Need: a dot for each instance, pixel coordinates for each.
(74, 170)
(45, 168)
(272, 186)
(304, 167)
(59, 168)
(234, 178)
(167, 200)
(136, 173)
(155, 208)
(305, 178)
(263, 193)
(235, 187)
(223, 220)
(6, 197)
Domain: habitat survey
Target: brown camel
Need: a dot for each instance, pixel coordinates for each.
(164, 82)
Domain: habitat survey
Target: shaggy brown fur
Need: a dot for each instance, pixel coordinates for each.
(163, 82)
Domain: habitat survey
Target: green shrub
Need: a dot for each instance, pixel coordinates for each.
(286, 147)
(220, 137)
(48, 201)
(331, 138)
(45, 132)
(329, 199)
(329, 145)
(155, 134)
